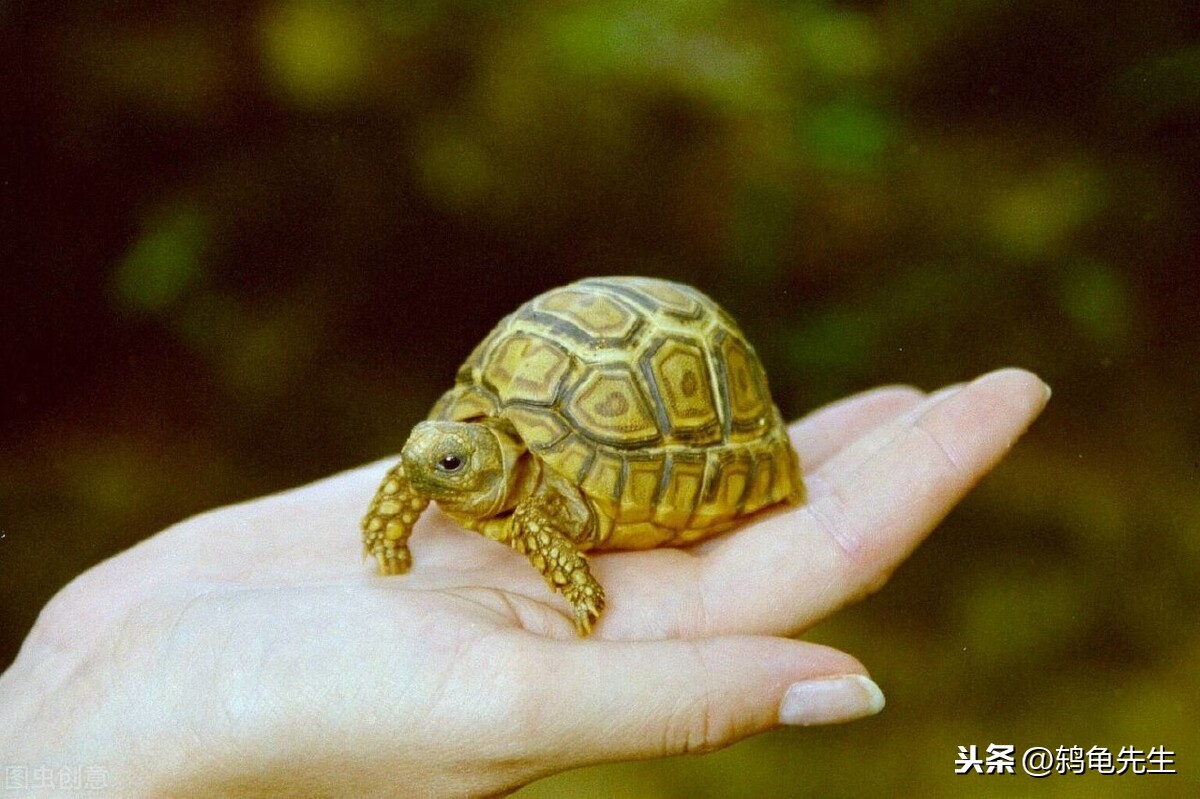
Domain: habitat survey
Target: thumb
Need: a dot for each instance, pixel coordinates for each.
(633, 700)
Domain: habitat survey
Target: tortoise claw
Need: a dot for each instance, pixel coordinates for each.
(393, 561)
(587, 600)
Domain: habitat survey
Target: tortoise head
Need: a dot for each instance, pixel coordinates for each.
(466, 467)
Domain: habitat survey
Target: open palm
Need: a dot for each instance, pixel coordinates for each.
(250, 650)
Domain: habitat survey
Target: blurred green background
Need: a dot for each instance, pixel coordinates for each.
(247, 244)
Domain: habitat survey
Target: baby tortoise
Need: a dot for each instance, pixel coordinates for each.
(613, 413)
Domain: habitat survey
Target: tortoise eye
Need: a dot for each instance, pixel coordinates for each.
(450, 463)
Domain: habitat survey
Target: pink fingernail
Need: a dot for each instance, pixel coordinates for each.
(830, 700)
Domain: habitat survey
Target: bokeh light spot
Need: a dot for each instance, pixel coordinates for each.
(1037, 215)
(163, 262)
(847, 135)
(315, 53)
(844, 44)
(1097, 302)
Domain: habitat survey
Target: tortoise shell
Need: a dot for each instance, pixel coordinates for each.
(646, 395)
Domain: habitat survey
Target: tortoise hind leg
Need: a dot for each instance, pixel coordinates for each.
(534, 531)
(389, 522)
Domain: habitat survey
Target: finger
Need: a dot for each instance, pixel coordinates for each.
(634, 700)
(827, 430)
(870, 441)
(791, 569)
(876, 515)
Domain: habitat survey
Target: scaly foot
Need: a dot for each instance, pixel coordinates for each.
(389, 522)
(560, 562)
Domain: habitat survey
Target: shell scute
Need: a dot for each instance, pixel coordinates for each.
(609, 406)
(590, 318)
(606, 477)
(758, 489)
(673, 299)
(681, 488)
(464, 403)
(540, 429)
(748, 403)
(679, 372)
(640, 489)
(571, 457)
(725, 482)
(527, 368)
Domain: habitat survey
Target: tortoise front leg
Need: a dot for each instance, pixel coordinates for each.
(389, 522)
(535, 531)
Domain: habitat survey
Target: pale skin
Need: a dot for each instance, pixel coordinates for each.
(249, 652)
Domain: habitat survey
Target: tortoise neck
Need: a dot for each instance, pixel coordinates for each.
(526, 476)
(521, 472)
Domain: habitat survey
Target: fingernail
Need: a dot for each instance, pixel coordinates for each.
(830, 700)
(1046, 388)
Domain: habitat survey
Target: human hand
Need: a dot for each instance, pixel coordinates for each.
(247, 651)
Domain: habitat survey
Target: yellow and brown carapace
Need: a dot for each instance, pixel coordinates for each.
(613, 413)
